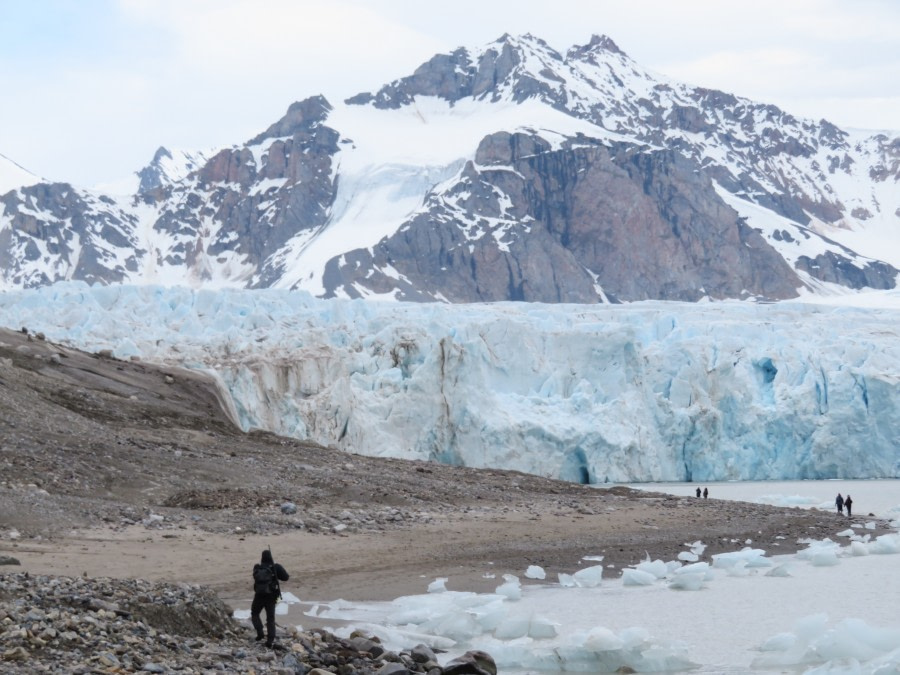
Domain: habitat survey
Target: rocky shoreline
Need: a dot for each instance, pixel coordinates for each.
(54, 624)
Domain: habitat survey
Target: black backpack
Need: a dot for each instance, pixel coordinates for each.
(265, 579)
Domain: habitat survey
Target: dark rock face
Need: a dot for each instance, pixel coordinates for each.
(758, 136)
(499, 69)
(847, 272)
(67, 234)
(525, 222)
(151, 176)
(259, 204)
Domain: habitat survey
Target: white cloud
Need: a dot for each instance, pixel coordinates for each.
(283, 40)
(733, 69)
(199, 73)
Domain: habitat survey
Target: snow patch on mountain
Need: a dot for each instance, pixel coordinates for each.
(392, 159)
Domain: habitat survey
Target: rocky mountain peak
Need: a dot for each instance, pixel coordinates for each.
(596, 48)
(168, 167)
(512, 67)
(524, 44)
(302, 115)
(151, 176)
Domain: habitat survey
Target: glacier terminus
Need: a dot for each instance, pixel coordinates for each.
(649, 391)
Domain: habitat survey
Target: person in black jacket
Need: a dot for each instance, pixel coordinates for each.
(266, 597)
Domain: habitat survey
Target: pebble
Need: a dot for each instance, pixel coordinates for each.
(81, 625)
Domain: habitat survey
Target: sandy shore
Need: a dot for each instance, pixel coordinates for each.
(472, 550)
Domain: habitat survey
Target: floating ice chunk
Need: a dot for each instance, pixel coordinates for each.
(541, 628)
(635, 577)
(858, 548)
(603, 640)
(240, 614)
(851, 646)
(671, 566)
(599, 650)
(779, 571)
(567, 580)
(779, 643)
(759, 561)
(536, 627)
(824, 558)
(438, 585)
(535, 572)
(457, 626)
(491, 614)
(739, 569)
(657, 568)
(697, 547)
(694, 568)
(820, 553)
(289, 598)
(592, 558)
(871, 525)
(688, 556)
(886, 543)
(846, 533)
(281, 609)
(510, 588)
(687, 582)
(689, 577)
(512, 627)
(420, 609)
(589, 577)
(750, 557)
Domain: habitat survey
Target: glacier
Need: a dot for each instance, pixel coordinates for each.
(641, 392)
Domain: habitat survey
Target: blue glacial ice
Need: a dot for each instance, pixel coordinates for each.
(643, 392)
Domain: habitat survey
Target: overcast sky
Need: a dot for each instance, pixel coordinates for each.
(90, 88)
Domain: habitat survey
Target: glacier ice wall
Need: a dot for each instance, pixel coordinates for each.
(642, 392)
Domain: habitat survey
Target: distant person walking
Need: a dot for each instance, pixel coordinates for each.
(698, 493)
(849, 504)
(839, 503)
(705, 493)
(266, 591)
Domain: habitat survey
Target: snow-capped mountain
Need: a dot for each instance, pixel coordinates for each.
(508, 172)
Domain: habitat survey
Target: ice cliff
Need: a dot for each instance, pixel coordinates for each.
(642, 392)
